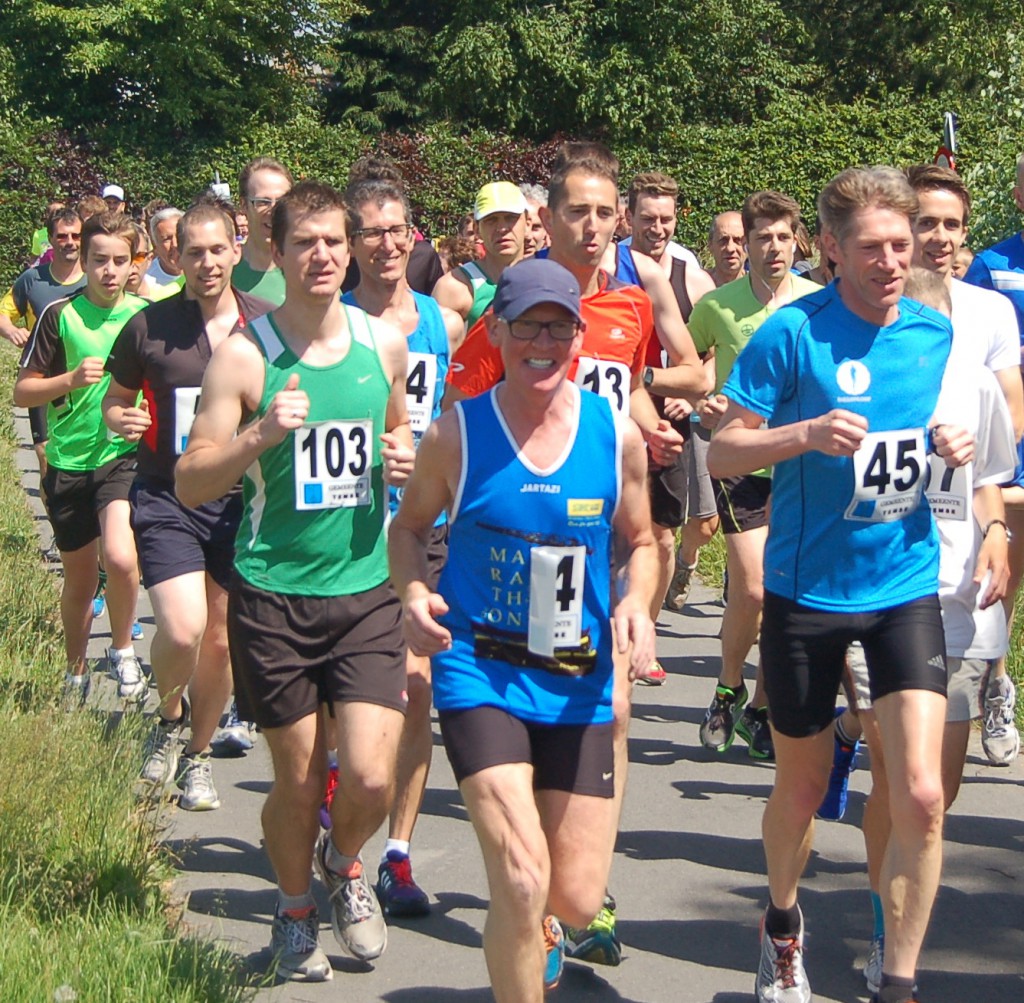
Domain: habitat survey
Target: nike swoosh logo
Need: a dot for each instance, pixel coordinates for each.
(363, 379)
(606, 776)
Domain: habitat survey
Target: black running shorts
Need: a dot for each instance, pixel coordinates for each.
(74, 499)
(742, 502)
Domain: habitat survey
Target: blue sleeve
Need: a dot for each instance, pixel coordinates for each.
(760, 377)
(979, 273)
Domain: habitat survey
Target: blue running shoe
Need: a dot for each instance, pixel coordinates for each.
(554, 944)
(99, 606)
(137, 632)
(844, 762)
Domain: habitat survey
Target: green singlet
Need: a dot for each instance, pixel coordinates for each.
(67, 332)
(267, 285)
(316, 503)
(483, 291)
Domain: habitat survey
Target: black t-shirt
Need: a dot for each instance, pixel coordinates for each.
(164, 351)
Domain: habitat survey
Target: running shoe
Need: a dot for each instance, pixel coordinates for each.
(754, 729)
(138, 634)
(679, 587)
(99, 605)
(999, 736)
(127, 670)
(554, 946)
(295, 945)
(76, 691)
(325, 805)
(844, 762)
(598, 943)
(656, 675)
(398, 893)
(719, 727)
(162, 749)
(780, 975)
(195, 781)
(356, 918)
(873, 966)
(236, 737)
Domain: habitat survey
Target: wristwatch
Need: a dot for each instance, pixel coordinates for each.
(648, 377)
(998, 522)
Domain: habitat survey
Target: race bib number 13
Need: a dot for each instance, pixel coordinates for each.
(609, 379)
(333, 463)
(556, 598)
(889, 470)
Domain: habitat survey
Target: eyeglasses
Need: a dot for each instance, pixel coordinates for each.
(527, 330)
(142, 256)
(63, 238)
(262, 203)
(400, 233)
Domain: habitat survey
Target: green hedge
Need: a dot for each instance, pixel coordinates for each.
(797, 147)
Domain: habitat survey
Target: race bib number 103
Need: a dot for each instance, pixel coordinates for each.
(333, 464)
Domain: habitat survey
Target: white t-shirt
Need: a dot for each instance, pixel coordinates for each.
(984, 329)
(971, 398)
(158, 275)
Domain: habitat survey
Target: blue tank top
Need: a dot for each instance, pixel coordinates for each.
(625, 266)
(427, 372)
(848, 535)
(528, 578)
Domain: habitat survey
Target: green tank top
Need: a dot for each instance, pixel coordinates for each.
(483, 291)
(316, 504)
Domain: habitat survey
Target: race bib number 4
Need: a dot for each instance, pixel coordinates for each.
(609, 379)
(889, 472)
(333, 464)
(556, 598)
(947, 490)
(420, 388)
(186, 404)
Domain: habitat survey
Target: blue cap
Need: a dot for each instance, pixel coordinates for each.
(532, 282)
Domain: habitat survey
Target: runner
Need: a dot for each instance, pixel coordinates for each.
(651, 214)
(382, 244)
(186, 554)
(165, 270)
(728, 246)
(312, 617)
(536, 237)
(500, 214)
(261, 185)
(723, 322)
(847, 426)
(973, 571)
(88, 471)
(524, 692)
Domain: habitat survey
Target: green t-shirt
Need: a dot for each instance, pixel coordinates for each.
(40, 241)
(68, 331)
(316, 503)
(727, 318)
(268, 285)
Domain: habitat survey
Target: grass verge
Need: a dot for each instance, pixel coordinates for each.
(84, 907)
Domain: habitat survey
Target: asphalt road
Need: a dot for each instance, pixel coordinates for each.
(688, 873)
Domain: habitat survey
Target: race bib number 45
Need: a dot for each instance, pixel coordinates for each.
(333, 463)
(889, 471)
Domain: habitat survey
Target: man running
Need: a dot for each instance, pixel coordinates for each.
(541, 481)
(724, 322)
(500, 214)
(312, 617)
(728, 246)
(165, 269)
(382, 241)
(186, 554)
(89, 472)
(848, 434)
(261, 185)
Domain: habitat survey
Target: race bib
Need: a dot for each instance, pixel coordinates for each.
(333, 462)
(420, 387)
(948, 489)
(889, 471)
(186, 404)
(609, 379)
(556, 598)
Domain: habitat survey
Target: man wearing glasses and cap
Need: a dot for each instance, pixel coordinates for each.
(521, 627)
(500, 214)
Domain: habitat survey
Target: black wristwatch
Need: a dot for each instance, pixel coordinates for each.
(998, 522)
(648, 377)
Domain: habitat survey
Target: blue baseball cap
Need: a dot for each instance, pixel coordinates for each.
(532, 282)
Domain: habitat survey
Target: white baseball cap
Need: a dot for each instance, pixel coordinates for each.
(113, 191)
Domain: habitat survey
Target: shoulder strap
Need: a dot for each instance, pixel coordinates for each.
(267, 338)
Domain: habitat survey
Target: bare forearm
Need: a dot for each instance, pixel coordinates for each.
(35, 391)
(208, 471)
(642, 573)
(684, 380)
(407, 560)
(736, 450)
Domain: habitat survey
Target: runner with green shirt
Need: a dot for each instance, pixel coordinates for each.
(725, 320)
(89, 472)
(312, 616)
(261, 185)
